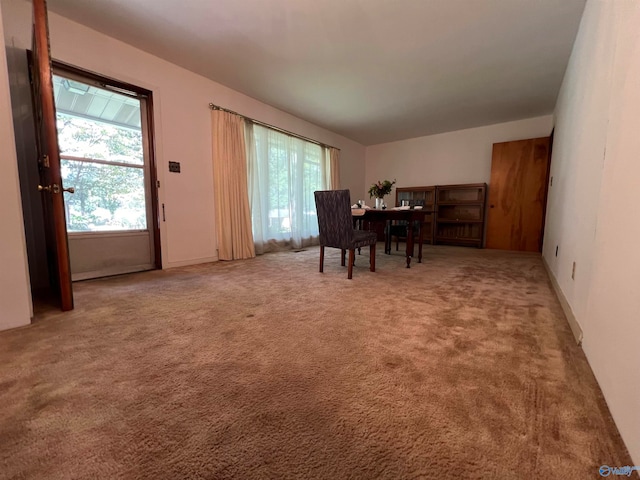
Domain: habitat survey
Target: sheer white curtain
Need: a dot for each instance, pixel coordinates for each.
(283, 173)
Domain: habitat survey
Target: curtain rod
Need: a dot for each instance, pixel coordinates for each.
(272, 127)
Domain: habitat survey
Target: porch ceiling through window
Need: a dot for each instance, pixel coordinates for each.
(82, 100)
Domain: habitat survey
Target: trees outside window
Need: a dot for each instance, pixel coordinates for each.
(104, 163)
(284, 172)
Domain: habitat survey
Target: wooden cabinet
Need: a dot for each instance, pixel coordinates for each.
(424, 196)
(460, 214)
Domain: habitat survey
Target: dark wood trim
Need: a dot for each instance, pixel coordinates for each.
(105, 82)
(101, 80)
(155, 186)
(546, 189)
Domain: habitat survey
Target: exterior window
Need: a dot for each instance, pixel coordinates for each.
(284, 172)
(101, 153)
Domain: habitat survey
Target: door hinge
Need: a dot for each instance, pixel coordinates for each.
(158, 183)
(45, 161)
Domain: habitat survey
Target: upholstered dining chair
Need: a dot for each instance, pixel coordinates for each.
(335, 224)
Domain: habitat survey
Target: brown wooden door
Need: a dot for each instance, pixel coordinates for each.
(49, 160)
(517, 195)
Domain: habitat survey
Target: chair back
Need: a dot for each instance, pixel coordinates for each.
(335, 222)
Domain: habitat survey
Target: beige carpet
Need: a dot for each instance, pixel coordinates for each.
(460, 367)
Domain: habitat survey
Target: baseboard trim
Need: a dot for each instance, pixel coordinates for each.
(109, 272)
(186, 263)
(566, 308)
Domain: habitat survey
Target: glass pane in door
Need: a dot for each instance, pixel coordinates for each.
(106, 198)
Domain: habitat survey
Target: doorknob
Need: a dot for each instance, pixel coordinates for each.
(55, 188)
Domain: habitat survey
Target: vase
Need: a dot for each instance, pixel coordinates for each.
(379, 203)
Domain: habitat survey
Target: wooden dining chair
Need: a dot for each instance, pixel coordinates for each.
(335, 224)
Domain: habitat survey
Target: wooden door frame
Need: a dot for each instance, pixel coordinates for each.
(546, 189)
(153, 174)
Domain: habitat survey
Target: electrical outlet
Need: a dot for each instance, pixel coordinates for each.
(573, 271)
(174, 167)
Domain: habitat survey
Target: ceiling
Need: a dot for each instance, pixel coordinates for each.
(372, 70)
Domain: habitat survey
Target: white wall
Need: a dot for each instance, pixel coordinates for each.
(182, 125)
(578, 159)
(15, 294)
(463, 156)
(592, 209)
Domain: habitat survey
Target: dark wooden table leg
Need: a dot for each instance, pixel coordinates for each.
(409, 244)
(420, 239)
(387, 238)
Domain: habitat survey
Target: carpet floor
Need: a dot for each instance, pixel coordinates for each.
(460, 367)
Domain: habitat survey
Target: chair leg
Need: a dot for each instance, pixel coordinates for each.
(352, 258)
(372, 257)
(321, 258)
(342, 253)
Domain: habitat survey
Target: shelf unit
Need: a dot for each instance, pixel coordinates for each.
(460, 214)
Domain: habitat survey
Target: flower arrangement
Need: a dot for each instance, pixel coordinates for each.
(380, 189)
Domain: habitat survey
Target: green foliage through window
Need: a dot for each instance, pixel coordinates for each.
(109, 194)
(284, 171)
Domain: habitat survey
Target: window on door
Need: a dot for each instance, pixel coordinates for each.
(102, 157)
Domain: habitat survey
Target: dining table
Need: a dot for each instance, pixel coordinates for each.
(369, 218)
